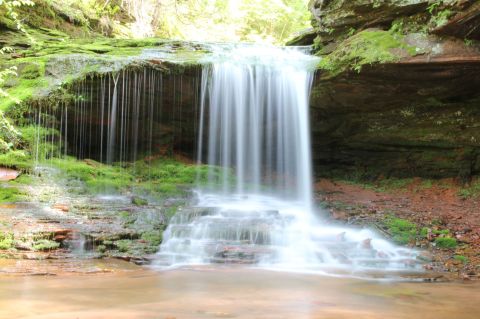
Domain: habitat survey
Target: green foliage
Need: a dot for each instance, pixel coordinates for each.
(441, 18)
(17, 159)
(37, 141)
(167, 176)
(461, 259)
(439, 12)
(153, 237)
(9, 136)
(123, 245)
(97, 177)
(364, 48)
(446, 242)
(138, 201)
(6, 241)
(45, 245)
(21, 89)
(442, 232)
(10, 195)
(470, 191)
(402, 231)
(9, 6)
(160, 178)
(271, 21)
(101, 249)
(32, 71)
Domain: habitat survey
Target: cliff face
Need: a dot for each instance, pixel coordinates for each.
(397, 92)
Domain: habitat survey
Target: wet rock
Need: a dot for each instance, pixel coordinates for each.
(425, 256)
(23, 246)
(123, 257)
(463, 25)
(62, 207)
(7, 174)
(367, 243)
(339, 215)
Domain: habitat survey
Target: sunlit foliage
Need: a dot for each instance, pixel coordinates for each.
(271, 21)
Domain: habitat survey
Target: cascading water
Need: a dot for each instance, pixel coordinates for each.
(257, 205)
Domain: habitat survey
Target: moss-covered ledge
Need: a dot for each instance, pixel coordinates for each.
(47, 75)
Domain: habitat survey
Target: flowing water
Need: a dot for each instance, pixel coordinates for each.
(257, 209)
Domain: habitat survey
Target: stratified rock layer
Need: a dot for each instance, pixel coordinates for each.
(397, 115)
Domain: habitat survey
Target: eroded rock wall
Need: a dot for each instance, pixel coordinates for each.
(397, 93)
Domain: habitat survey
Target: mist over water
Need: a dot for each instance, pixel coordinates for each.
(257, 207)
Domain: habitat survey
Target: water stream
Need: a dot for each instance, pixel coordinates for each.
(254, 125)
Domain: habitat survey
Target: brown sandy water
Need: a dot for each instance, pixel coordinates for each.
(230, 293)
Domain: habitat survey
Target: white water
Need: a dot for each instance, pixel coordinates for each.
(257, 208)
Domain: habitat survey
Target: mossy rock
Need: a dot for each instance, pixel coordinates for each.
(45, 245)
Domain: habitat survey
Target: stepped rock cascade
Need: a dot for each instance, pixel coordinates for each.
(257, 209)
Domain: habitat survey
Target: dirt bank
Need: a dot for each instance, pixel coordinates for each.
(439, 209)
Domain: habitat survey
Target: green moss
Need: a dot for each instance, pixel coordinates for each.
(138, 201)
(123, 245)
(366, 47)
(101, 249)
(32, 71)
(470, 191)
(153, 238)
(402, 231)
(442, 232)
(441, 18)
(168, 177)
(23, 179)
(461, 258)
(10, 195)
(6, 241)
(445, 242)
(17, 159)
(426, 184)
(45, 245)
(97, 177)
(30, 82)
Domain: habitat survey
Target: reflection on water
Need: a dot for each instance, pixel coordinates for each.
(231, 293)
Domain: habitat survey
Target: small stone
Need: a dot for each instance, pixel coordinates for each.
(367, 243)
(7, 174)
(62, 207)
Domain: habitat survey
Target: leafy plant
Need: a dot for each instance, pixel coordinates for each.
(402, 231)
(461, 258)
(446, 242)
(10, 6)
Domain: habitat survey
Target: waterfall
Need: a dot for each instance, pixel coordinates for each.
(250, 117)
(254, 120)
(257, 205)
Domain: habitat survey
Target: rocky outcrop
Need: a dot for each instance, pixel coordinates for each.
(397, 89)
